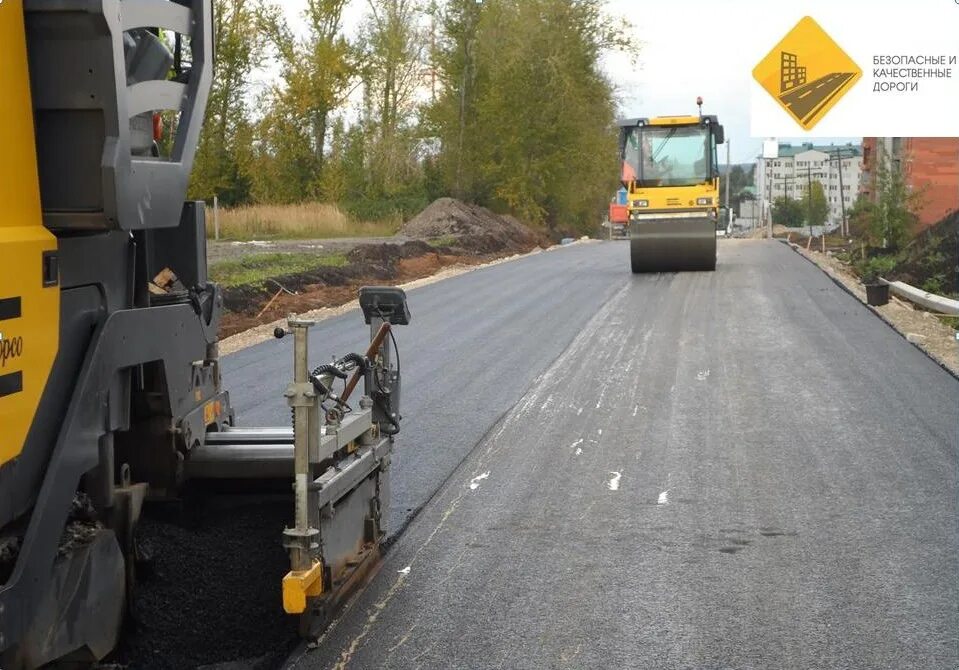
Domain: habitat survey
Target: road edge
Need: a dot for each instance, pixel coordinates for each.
(263, 332)
(841, 282)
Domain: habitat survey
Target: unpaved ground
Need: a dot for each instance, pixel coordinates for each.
(447, 234)
(248, 307)
(229, 251)
(264, 331)
(919, 327)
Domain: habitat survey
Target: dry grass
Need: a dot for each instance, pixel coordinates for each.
(303, 221)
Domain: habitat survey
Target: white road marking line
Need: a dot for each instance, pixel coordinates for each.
(475, 481)
(703, 375)
(613, 484)
(406, 570)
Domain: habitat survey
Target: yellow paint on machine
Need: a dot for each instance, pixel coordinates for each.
(298, 586)
(665, 198)
(674, 121)
(29, 335)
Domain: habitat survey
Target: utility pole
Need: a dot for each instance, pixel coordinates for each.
(809, 199)
(837, 156)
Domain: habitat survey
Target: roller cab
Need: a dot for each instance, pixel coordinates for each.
(670, 171)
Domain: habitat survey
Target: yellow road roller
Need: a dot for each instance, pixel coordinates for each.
(671, 173)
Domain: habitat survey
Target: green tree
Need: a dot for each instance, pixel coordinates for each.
(394, 49)
(815, 208)
(454, 62)
(318, 72)
(893, 216)
(526, 120)
(224, 157)
(787, 212)
(739, 179)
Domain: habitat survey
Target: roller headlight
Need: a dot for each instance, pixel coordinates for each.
(704, 201)
(640, 203)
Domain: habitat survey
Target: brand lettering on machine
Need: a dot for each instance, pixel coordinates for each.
(10, 349)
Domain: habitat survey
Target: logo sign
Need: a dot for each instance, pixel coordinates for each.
(807, 73)
(10, 349)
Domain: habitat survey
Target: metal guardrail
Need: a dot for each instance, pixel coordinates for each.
(930, 301)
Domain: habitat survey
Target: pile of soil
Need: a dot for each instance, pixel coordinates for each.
(458, 234)
(471, 227)
(932, 258)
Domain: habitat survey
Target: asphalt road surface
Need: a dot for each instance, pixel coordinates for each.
(739, 469)
(806, 101)
(474, 346)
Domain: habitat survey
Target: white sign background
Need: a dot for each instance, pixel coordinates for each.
(862, 30)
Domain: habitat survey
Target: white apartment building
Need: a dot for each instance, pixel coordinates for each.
(836, 166)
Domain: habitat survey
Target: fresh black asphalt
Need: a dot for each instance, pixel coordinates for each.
(474, 345)
(739, 469)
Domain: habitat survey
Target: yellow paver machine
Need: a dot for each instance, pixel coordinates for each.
(110, 387)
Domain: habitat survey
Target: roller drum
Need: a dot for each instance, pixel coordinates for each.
(665, 245)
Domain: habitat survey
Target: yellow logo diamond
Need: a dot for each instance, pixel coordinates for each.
(807, 73)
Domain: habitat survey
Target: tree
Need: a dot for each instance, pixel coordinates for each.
(454, 61)
(394, 48)
(738, 180)
(526, 119)
(860, 217)
(223, 161)
(814, 206)
(787, 212)
(318, 72)
(893, 216)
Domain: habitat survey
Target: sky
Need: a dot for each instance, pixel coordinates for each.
(694, 48)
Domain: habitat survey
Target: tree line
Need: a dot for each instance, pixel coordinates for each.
(498, 102)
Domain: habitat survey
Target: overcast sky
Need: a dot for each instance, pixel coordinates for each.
(686, 49)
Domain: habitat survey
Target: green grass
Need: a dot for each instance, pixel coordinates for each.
(445, 241)
(255, 269)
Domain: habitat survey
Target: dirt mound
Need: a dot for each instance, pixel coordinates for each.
(457, 234)
(930, 260)
(388, 254)
(471, 227)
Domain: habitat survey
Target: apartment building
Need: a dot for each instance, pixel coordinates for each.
(836, 166)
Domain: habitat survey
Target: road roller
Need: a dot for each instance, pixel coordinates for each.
(111, 397)
(671, 174)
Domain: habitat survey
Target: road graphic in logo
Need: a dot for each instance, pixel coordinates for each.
(807, 73)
